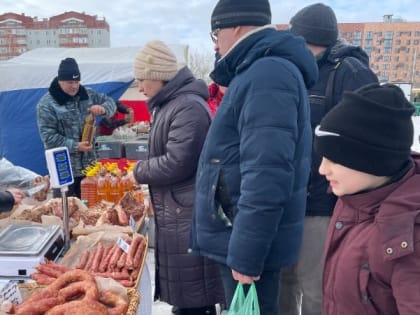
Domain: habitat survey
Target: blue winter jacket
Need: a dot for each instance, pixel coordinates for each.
(253, 169)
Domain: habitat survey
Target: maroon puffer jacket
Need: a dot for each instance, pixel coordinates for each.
(372, 261)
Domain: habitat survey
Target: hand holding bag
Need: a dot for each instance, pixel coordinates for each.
(238, 301)
(242, 305)
(251, 306)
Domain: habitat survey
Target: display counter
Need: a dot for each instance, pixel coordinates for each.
(141, 282)
(146, 292)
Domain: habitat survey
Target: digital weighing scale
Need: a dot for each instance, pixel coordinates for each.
(24, 246)
(61, 176)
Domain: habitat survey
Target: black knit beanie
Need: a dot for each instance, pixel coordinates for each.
(369, 130)
(68, 70)
(232, 13)
(317, 24)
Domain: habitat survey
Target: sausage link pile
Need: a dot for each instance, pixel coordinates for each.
(73, 292)
(102, 261)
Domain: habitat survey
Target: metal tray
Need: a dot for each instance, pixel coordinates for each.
(25, 239)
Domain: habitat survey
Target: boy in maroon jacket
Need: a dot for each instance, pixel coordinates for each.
(372, 257)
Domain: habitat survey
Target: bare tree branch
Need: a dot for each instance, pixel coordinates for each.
(201, 63)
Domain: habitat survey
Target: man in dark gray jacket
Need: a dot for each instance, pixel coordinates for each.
(342, 67)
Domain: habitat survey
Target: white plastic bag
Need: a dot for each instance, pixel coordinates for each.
(15, 176)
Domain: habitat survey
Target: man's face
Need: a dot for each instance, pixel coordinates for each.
(70, 87)
(224, 39)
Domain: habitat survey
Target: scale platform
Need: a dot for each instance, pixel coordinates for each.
(24, 246)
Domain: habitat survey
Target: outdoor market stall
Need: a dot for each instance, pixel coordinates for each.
(26, 78)
(61, 241)
(32, 247)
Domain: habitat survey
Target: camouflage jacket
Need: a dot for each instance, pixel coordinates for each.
(61, 117)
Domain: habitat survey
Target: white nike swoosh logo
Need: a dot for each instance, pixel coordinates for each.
(322, 133)
(75, 76)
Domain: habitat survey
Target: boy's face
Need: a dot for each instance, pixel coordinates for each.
(346, 181)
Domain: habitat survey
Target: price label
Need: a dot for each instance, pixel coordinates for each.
(132, 223)
(10, 292)
(123, 245)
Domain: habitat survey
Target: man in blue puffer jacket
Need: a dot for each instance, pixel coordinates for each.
(253, 170)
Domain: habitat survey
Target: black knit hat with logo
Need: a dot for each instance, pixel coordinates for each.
(68, 70)
(232, 13)
(370, 130)
(317, 24)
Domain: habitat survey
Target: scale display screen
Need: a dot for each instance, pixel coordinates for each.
(59, 167)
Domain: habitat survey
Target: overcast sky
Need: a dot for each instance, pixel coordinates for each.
(132, 23)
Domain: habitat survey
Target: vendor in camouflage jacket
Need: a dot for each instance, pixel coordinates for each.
(61, 114)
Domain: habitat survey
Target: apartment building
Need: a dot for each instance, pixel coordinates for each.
(393, 46)
(20, 33)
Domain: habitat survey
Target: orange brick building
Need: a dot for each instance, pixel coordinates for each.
(20, 33)
(392, 45)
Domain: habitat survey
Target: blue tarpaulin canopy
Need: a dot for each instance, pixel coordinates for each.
(25, 79)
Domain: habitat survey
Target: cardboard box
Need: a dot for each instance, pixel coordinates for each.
(136, 150)
(110, 149)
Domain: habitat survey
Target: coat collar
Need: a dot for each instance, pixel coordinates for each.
(61, 97)
(183, 82)
(398, 215)
(266, 42)
(341, 50)
(394, 210)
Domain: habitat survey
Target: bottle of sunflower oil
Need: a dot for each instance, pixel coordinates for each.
(88, 190)
(102, 189)
(88, 129)
(126, 183)
(114, 188)
(88, 186)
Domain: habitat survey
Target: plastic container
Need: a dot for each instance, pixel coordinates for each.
(136, 150)
(110, 149)
(88, 190)
(126, 184)
(103, 192)
(114, 189)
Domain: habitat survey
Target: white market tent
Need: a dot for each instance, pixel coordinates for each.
(25, 79)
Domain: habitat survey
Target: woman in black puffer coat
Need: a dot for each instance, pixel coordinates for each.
(180, 120)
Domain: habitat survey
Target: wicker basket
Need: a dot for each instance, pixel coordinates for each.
(133, 301)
